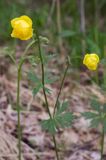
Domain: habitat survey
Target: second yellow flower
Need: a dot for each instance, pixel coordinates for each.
(91, 61)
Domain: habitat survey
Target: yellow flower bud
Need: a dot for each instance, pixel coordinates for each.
(22, 28)
(91, 61)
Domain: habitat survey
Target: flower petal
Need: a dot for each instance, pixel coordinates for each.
(85, 58)
(14, 21)
(27, 19)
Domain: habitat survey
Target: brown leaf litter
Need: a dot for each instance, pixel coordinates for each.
(76, 143)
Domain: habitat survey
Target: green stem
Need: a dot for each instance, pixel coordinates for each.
(102, 143)
(43, 74)
(104, 75)
(61, 86)
(97, 77)
(29, 46)
(18, 107)
(55, 144)
(44, 92)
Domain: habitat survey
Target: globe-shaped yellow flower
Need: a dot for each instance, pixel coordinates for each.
(22, 28)
(91, 61)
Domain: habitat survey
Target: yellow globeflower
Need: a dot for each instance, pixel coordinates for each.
(22, 28)
(91, 61)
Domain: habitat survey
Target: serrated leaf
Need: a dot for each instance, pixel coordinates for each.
(49, 125)
(62, 108)
(47, 90)
(33, 77)
(95, 105)
(64, 120)
(36, 89)
(89, 115)
(48, 79)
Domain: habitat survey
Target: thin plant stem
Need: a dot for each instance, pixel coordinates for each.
(102, 143)
(44, 92)
(55, 144)
(43, 74)
(18, 108)
(104, 75)
(96, 77)
(61, 86)
(29, 46)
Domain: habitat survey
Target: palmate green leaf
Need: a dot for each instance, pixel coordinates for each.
(94, 117)
(95, 105)
(64, 120)
(32, 77)
(49, 125)
(90, 115)
(61, 119)
(36, 89)
(48, 91)
(48, 79)
(61, 107)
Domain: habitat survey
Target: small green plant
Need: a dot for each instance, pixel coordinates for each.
(97, 117)
(22, 29)
(59, 117)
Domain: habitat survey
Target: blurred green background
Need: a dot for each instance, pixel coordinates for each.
(78, 26)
